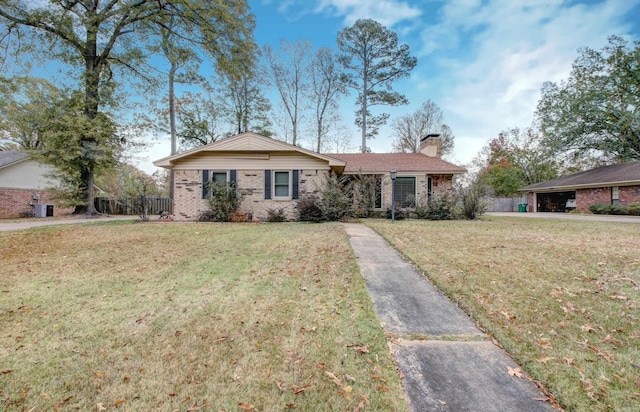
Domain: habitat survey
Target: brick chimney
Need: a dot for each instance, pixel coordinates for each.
(431, 145)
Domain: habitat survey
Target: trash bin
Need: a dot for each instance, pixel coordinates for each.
(522, 207)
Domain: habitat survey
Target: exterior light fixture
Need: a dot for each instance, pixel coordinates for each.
(393, 174)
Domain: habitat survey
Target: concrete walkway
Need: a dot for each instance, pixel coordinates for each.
(454, 367)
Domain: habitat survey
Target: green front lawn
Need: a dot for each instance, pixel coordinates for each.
(183, 317)
(561, 296)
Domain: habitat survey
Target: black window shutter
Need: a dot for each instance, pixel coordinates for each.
(267, 184)
(233, 177)
(205, 184)
(295, 189)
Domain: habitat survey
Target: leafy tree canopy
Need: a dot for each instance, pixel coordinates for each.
(516, 159)
(374, 61)
(103, 39)
(597, 110)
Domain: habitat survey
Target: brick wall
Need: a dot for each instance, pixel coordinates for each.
(629, 194)
(586, 197)
(188, 202)
(14, 203)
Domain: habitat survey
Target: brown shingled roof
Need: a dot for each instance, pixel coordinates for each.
(613, 175)
(402, 162)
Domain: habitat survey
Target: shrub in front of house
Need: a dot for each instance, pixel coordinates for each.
(436, 207)
(222, 203)
(309, 209)
(336, 203)
(471, 200)
(607, 209)
(276, 215)
(400, 213)
(633, 209)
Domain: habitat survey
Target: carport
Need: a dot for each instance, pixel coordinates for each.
(554, 201)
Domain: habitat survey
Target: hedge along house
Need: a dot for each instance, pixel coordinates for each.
(614, 184)
(273, 175)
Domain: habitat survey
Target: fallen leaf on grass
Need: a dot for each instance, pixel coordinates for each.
(100, 407)
(605, 355)
(246, 406)
(298, 390)
(382, 388)
(515, 372)
(587, 328)
(118, 402)
(4, 372)
(334, 378)
(359, 348)
(359, 407)
(545, 360)
(442, 402)
(220, 339)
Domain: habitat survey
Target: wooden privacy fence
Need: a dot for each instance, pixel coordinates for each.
(133, 205)
(505, 204)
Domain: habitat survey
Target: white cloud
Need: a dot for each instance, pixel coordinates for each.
(386, 12)
(494, 57)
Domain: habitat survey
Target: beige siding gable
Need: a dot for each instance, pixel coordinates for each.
(245, 146)
(26, 175)
(272, 161)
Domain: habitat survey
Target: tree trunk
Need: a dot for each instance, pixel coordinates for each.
(93, 67)
(364, 107)
(172, 122)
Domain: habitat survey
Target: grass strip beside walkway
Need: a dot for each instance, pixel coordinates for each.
(202, 316)
(561, 296)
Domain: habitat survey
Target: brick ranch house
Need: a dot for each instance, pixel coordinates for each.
(23, 184)
(272, 174)
(614, 184)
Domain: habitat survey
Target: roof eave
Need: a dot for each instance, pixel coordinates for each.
(581, 186)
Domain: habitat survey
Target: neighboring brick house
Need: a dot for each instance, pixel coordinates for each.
(24, 183)
(614, 184)
(272, 174)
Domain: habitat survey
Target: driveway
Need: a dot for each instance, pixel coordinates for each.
(32, 223)
(569, 216)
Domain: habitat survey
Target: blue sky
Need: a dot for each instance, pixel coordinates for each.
(482, 61)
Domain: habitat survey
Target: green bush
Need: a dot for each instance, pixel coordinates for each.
(471, 200)
(607, 209)
(336, 203)
(276, 215)
(437, 207)
(400, 213)
(224, 201)
(633, 209)
(309, 209)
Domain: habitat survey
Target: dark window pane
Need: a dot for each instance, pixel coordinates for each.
(405, 191)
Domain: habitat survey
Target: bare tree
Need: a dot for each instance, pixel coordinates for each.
(245, 106)
(327, 85)
(287, 71)
(410, 128)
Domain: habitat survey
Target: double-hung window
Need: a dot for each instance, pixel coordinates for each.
(216, 176)
(281, 184)
(615, 196)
